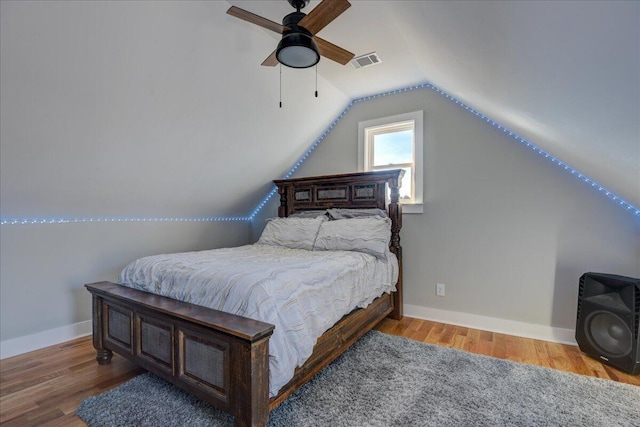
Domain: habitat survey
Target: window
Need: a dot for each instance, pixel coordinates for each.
(395, 143)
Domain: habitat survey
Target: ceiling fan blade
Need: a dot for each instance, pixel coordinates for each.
(333, 52)
(323, 14)
(255, 19)
(271, 60)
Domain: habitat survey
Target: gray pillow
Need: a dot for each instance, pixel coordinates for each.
(370, 235)
(295, 233)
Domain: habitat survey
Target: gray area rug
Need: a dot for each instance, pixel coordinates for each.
(384, 380)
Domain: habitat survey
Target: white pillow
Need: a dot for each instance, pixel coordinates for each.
(295, 233)
(370, 235)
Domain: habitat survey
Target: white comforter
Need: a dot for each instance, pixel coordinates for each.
(303, 293)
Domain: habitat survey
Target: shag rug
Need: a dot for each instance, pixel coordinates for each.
(384, 380)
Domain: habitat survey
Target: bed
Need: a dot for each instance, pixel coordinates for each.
(224, 358)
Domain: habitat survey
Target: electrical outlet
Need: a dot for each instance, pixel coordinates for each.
(440, 289)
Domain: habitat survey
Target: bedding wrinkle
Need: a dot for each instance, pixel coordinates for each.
(302, 292)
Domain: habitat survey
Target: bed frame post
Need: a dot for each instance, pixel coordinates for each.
(283, 209)
(251, 383)
(103, 355)
(395, 213)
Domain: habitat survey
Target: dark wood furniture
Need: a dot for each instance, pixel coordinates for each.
(223, 358)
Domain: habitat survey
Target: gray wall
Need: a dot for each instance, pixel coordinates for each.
(105, 113)
(507, 231)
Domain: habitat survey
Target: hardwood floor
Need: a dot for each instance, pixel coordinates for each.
(44, 387)
(534, 352)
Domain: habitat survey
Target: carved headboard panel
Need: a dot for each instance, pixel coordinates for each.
(353, 190)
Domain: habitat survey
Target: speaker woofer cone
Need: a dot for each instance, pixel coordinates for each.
(608, 333)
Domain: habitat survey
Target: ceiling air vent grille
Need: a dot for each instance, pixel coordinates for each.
(367, 60)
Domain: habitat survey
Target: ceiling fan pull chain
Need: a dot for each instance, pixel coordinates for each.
(280, 85)
(316, 80)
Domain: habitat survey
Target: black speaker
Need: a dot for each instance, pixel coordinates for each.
(607, 320)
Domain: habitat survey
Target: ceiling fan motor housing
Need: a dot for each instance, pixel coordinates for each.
(299, 4)
(291, 21)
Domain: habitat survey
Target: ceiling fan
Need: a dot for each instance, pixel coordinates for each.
(299, 46)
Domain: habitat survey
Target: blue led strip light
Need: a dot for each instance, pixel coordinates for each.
(617, 199)
(23, 221)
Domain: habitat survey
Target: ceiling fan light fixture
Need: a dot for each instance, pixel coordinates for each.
(297, 49)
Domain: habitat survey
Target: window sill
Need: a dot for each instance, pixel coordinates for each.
(412, 208)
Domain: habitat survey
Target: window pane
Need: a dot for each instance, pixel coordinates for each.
(392, 148)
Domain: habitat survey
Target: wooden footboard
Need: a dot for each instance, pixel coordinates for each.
(219, 357)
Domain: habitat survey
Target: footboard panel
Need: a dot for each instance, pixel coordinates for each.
(217, 356)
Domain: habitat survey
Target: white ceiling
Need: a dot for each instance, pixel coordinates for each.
(155, 104)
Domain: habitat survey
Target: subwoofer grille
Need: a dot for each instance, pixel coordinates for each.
(609, 334)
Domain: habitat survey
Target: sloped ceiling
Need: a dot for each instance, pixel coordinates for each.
(161, 109)
(565, 75)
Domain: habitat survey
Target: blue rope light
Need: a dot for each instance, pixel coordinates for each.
(609, 194)
(29, 221)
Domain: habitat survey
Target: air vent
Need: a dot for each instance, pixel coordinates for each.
(365, 60)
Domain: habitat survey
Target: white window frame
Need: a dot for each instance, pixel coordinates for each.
(366, 130)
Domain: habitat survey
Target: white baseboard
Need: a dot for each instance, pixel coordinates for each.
(492, 324)
(20, 345)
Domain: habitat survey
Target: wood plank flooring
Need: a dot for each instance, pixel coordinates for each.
(524, 350)
(44, 387)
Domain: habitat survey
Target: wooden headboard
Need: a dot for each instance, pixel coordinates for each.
(358, 190)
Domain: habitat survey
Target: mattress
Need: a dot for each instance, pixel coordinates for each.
(302, 292)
